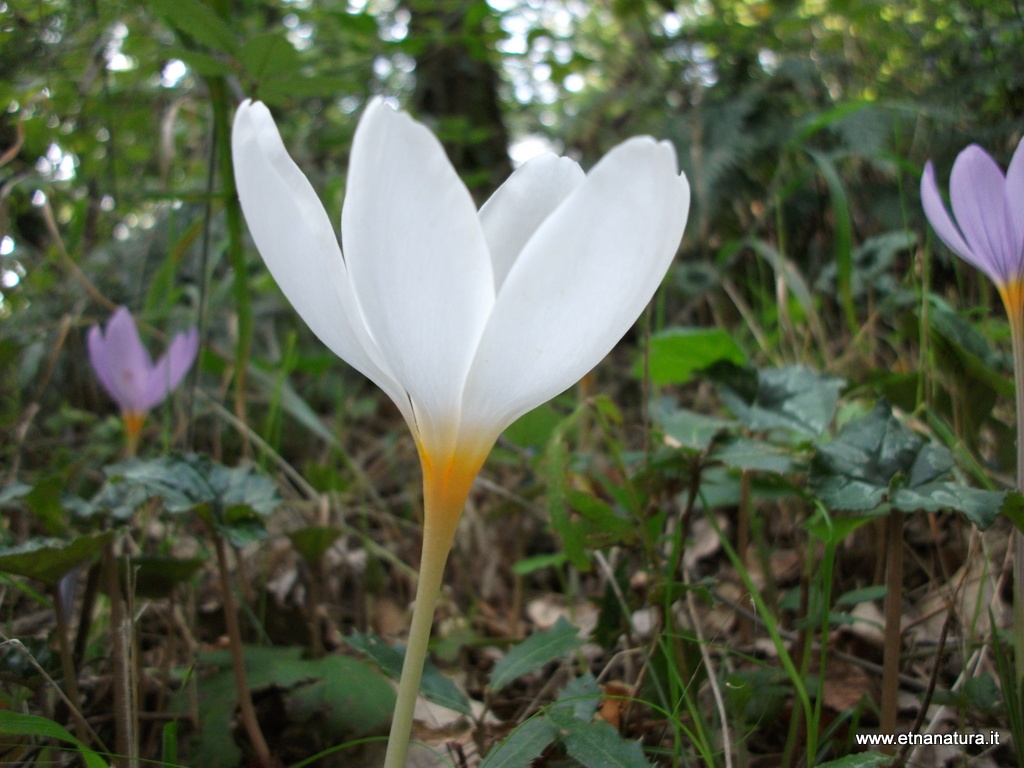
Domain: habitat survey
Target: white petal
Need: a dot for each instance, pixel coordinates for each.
(295, 238)
(580, 282)
(418, 262)
(519, 206)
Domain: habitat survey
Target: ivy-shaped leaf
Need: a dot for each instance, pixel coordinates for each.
(232, 500)
(49, 559)
(876, 460)
(794, 398)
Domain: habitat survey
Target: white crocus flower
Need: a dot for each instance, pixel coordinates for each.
(467, 319)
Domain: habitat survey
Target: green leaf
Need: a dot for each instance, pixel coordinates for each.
(582, 697)
(203, 64)
(313, 541)
(523, 746)
(794, 398)
(285, 90)
(557, 467)
(232, 500)
(832, 529)
(45, 502)
(1013, 508)
(596, 744)
(979, 506)
(676, 354)
(18, 724)
(854, 471)
(50, 559)
(694, 431)
(862, 595)
(600, 516)
(118, 500)
(534, 652)
(269, 55)
(239, 525)
(198, 21)
(750, 454)
(539, 562)
(156, 576)
(337, 696)
(876, 460)
(534, 428)
(435, 686)
(14, 492)
(179, 482)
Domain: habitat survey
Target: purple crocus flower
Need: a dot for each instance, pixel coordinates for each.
(989, 233)
(988, 230)
(127, 372)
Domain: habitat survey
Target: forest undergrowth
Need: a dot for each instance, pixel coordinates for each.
(775, 526)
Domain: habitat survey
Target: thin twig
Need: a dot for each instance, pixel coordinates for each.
(893, 632)
(901, 757)
(716, 691)
(249, 720)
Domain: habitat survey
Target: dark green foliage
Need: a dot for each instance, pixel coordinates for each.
(232, 501)
(322, 702)
(875, 461)
(48, 560)
(435, 685)
(534, 652)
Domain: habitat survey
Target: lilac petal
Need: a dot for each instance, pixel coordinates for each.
(1014, 204)
(122, 364)
(171, 368)
(977, 190)
(100, 361)
(943, 223)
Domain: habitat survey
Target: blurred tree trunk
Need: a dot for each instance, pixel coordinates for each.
(457, 87)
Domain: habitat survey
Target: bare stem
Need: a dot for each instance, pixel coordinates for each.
(893, 633)
(246, 709)
(1017, 336)
(120, 651)
(67, 663)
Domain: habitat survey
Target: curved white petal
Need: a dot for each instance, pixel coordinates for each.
(976, 191)
(520, 205)
(418, 262)
(295, 238)
(580, 282)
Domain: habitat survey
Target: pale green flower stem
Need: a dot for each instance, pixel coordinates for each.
(444, 496)
(1017, 541)
(435, 555)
